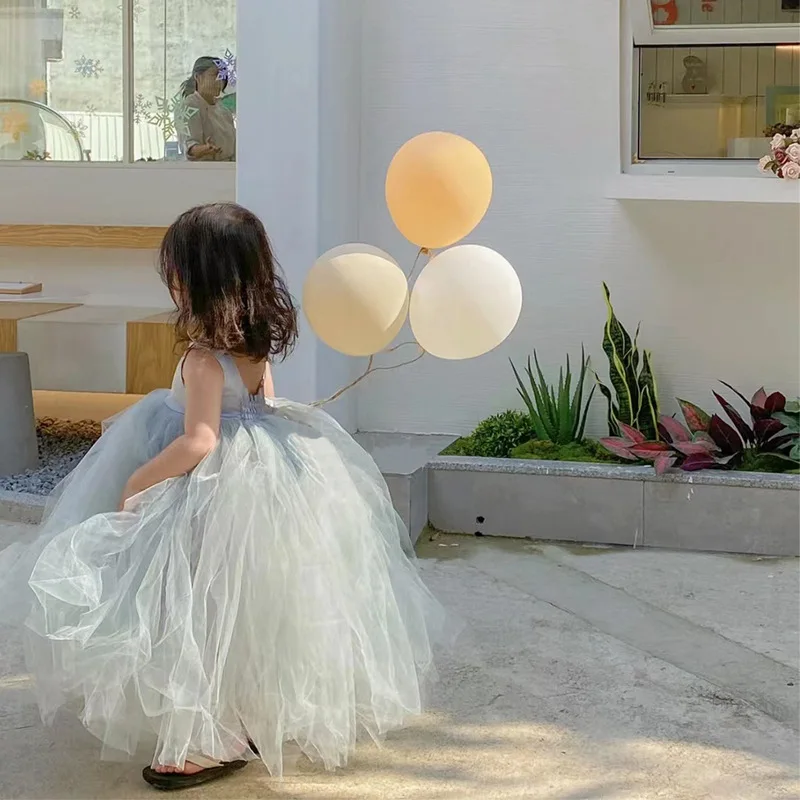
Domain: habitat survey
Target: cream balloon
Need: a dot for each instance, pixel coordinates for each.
(356, 300)
(465, 302)
(438, 188)
(357, 247)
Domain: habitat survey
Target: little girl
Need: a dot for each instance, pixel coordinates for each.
(224, 572)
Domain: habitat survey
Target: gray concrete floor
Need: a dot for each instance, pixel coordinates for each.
(583, 673)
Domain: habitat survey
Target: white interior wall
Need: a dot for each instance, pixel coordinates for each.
(108, 194)
(88, 275)
(536, 85)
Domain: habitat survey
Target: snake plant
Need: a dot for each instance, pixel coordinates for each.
(633, 395)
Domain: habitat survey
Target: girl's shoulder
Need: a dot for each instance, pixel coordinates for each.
(201, 364)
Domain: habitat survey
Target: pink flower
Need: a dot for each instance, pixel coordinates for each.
(793, 152)
(791, 171)
(778, 142)
(780, 156)
(795, 135)
(765, 164)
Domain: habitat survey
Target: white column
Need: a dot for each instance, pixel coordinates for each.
(299, 151)
(278, 150)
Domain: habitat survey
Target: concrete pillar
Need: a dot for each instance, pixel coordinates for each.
(277, 106)
(298, 156)
(18, 449)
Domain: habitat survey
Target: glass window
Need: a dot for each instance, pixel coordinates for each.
(184, 93)
(720, 102)
(725, 12)
(61, 80)
(66, 66)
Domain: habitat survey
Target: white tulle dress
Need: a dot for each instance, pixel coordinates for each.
(268, 595)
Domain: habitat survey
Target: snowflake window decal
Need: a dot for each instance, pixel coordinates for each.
(73, 11)
(226, 68)
(37, 89)
(141, 108)
(182, 117)
(81, 128)
(88, 67)
(14, 123)
(164, 115)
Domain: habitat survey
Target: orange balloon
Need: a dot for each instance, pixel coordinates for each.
(438, 188)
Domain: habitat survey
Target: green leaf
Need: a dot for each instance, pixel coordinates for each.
(633, 395)
(648, 420)
(613, 426)
(522, 391)
(547, 405)
(582, 425)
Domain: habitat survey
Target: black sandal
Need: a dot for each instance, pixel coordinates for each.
(172, 781)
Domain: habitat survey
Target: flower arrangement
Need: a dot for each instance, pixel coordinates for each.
(784, 160)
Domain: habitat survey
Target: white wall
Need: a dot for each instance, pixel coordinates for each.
(535, 85)
(109, 194)
(90, 276)
(101, 194)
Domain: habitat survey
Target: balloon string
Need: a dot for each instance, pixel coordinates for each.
(402, 344)
(422, 251)
(371, 363)
(369, 370)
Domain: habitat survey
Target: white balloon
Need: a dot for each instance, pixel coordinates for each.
(465, 302)
(356, 299)
(356, 247)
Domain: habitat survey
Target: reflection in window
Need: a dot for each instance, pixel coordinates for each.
(716, 102)
(185, 80)
(725, 12)
(68, 56)
(62, 77)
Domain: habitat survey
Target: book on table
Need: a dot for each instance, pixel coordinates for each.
(19, 287)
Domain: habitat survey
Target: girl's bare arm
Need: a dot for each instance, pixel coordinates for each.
(204, 379)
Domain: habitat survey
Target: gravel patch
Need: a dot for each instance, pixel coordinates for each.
(62, 445)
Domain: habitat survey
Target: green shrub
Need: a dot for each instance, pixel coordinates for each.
(586, 451)
(495, 437)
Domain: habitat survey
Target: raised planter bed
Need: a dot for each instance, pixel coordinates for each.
(729, 512)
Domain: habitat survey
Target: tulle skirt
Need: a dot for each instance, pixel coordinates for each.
(269, 595)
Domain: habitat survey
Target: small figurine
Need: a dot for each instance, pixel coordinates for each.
(695, 81)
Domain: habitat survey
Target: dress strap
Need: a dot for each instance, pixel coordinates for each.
(222, 358)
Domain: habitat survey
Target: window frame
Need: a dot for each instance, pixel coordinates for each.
(647, 34)
(638, 31)
(128, 11)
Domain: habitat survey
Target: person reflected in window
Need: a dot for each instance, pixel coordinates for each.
(206, 131)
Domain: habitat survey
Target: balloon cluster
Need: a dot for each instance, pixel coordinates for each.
(467, 299)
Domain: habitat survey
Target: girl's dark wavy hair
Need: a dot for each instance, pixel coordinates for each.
(218, 264)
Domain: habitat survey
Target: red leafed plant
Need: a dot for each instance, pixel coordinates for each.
(708, 441)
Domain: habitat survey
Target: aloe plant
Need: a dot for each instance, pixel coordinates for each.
(558, 414)
(633, 395)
